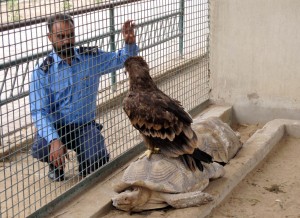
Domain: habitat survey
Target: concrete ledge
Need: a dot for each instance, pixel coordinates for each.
(223, 112)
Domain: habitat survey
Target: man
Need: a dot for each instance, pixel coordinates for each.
(63, 92)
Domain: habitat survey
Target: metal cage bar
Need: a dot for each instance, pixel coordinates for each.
(171, 35)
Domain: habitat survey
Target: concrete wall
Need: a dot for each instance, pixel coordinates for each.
(255, 58)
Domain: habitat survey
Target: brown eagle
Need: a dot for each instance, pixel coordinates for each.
(162, 121)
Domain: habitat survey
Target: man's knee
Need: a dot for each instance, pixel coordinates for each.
(40, 149)
(97, 152)
(93, 146)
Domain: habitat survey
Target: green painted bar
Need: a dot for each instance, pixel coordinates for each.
(181, 26)
(112, 45)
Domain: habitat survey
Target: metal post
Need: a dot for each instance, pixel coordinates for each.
(208, 36)
(112, 45)
(181, 26)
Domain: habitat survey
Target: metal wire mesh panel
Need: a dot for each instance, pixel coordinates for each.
(62, 86)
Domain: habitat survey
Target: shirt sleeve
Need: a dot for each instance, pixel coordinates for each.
(112, 61)
(40, 106)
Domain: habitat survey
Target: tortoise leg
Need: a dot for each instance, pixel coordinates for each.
(188, 199)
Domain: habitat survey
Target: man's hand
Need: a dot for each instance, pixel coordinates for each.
(58, 152)
(128, 32)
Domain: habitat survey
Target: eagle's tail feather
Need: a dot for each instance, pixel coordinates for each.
(193, 161)
(190, 162)
(202, 156)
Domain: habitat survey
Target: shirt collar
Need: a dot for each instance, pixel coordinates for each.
(58, 60)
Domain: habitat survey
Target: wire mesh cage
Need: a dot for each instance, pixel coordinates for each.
(66, 84)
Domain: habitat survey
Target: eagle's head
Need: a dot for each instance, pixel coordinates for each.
(139, 75)
(136, 66)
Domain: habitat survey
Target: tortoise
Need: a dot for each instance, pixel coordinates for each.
(217, 138)
(162, 181)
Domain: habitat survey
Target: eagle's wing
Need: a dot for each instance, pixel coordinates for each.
(162, 121)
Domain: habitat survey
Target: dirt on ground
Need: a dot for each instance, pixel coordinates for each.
(271, 190)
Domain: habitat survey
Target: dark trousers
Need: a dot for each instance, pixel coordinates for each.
(87, 141)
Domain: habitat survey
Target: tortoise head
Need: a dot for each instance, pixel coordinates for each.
(132, 199)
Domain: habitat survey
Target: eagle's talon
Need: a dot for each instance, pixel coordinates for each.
(156, 150)
(149, 152)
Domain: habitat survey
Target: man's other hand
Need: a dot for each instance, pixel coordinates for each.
(58, 153)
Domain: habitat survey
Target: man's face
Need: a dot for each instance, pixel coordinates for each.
(63, 38)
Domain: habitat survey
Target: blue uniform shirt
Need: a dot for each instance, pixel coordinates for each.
(67, 94)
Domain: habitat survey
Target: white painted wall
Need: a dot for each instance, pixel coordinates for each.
(255, 58)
